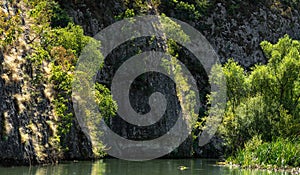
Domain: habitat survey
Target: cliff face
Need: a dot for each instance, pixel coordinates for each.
(234, 28)
(28, 124)
(23, 105)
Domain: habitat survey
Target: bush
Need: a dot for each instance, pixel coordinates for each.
(265, 101)
(280, 153)
(10, 28)
(186, 10)
(104, 99)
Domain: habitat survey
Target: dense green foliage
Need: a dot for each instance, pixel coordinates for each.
(183, 9)
(61, 47)
(264, 103)
(279, 153)
(10, 28)
(107, 106)
(59, 42)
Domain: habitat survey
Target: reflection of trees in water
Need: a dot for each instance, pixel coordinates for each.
(121, 167)
(98, 168)
(82, 168)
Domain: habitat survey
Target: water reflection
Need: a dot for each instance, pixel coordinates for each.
(120, 167)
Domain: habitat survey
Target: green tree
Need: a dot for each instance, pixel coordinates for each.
(264, 101)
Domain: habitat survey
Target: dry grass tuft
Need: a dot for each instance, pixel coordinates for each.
(20, 99)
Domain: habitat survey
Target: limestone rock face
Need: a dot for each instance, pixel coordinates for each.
(235, 30)
(238, 34)
(28, 124)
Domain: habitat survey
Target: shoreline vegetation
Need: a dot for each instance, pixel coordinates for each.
(292, 170)
(261, 123)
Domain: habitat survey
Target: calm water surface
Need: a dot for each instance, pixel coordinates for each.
(120, 167)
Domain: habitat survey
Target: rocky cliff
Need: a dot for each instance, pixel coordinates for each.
(234, 28)
(28, 123)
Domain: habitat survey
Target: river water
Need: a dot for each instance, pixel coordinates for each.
(121, 167)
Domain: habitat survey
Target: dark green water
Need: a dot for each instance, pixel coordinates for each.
(119, 167)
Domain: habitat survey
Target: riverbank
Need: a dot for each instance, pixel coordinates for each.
(292, 170)
(281, 155)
